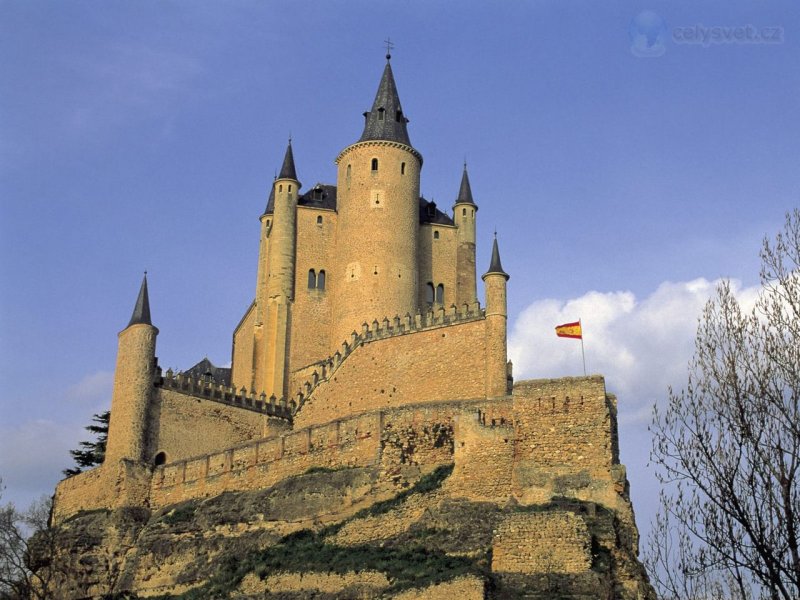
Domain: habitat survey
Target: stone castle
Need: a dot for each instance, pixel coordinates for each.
(366, 347)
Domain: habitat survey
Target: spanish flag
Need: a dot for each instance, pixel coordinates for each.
(570, 330)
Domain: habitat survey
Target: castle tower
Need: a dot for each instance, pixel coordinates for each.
(133, 385)
(281, 259)
(378, 222)
(496, 328)
(256, 368)
(464, 211)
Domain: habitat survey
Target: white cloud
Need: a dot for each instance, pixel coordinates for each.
(641, 346)
(32, 456)
(93, 390)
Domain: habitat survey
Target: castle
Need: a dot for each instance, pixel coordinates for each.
(366, 346)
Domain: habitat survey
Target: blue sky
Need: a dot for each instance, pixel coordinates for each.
(144, 135)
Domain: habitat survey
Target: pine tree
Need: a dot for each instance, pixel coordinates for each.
(91, 454)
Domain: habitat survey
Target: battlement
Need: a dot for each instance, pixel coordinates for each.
(228, 395)
(380, 330)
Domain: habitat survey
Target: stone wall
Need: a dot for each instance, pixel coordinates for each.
(434, 365)
(565, 444)
(242, 353)
(542, 543)
(257, 465)
(311, 311)
(437, 261)
(124, 483)
(184, 426)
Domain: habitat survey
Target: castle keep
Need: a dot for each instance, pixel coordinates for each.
(365, 299)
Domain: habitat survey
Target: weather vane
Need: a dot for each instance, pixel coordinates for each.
(389, 47)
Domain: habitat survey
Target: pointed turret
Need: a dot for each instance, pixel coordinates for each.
(386, 120)
(287, 169)
(465, 191)
(141, 312)
(270, 201)
(495, 268)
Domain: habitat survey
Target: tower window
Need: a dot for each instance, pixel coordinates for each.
(398, 116)
(317, 193)
(440, 294)
(160, 459)
(436, 235)
(268, 222)
(280, 187)
(429, 293)
(312, 279)
(380, 114)
(319, 220)
(321, 280)
(374, 164)
(402, 168)
(290, 188)
(464, 212)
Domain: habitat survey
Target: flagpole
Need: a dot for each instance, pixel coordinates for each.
(583, 354)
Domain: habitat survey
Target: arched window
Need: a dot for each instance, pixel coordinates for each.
(321, 280)
(160, 459)
(440, 294)
(312, 279)
(290, 188)
(463, 212)
(319, 220)
(280, 187)
(374, 164)
(348, 171)
(402, 168)
(429, 293)
(436, 235)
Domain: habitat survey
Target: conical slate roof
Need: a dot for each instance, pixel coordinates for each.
(465, 191)
(495, 267)
(270, 201)
(287, 169)
(386, 120)
(141, 312)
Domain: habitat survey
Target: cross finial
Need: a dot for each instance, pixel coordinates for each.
(389, 46)
(495, 233)
(145, 272)
(290, 138)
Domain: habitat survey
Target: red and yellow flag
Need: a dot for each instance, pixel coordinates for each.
(570, 330)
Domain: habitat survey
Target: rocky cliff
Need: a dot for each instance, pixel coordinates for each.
(352, 533)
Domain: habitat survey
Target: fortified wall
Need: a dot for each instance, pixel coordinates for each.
(549, 439)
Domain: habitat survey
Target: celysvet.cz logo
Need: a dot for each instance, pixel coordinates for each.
(649, 34)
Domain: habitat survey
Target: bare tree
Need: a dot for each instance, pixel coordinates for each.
(728, 446)
(28, 551)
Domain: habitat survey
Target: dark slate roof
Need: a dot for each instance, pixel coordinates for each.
(495, 266)
(141, 312)
(386, 120)
(428, 213)
(287, 168)
(321, 195)
(465, 191)
(206, 370)
(270, 201)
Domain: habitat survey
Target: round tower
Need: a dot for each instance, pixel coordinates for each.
(495, 280)
(378, 223)
(281, 261)
(464, 216)
(134, 377)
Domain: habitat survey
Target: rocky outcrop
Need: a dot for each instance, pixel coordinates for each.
(350, 533)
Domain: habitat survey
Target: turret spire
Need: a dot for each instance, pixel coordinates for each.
(287, 169)
(495, 267)
(141, 312)
(465, 191)
(386, 120)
